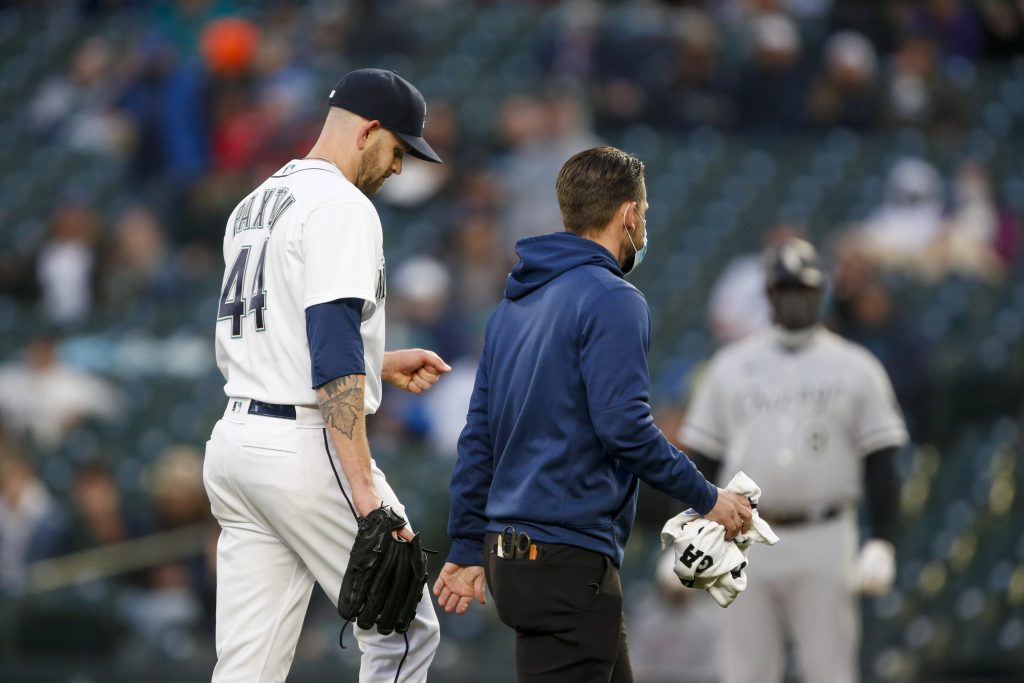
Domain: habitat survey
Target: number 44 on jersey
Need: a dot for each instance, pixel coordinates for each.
(232, 300)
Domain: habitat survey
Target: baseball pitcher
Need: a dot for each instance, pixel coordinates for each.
(300, 342)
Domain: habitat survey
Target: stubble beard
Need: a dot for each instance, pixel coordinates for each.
(371, 184)
(370, 179)
(627, 259)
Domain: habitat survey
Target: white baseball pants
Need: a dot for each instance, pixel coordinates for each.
(286, 524)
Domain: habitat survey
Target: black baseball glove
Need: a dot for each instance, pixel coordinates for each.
(385, 577)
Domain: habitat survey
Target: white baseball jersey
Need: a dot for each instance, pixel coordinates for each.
(796, 421)
(306, 236)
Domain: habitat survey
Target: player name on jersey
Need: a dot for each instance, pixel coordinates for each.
(245, 219)
(813, 396)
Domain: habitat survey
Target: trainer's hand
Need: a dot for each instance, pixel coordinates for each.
(414, 370)
(733, 512)
(875, 569)
(457, 585)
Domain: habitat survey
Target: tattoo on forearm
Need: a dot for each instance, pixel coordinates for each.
(343, 405)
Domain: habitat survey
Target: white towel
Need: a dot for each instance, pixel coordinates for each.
(704, 559)
(702, 553)
(760, 531)
(729, 585)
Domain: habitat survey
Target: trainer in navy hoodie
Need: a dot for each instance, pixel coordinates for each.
(559, 426)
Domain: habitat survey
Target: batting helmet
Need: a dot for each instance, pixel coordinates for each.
(794, 262)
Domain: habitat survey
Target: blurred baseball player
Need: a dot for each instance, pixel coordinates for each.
(300, 341)
(806, 414)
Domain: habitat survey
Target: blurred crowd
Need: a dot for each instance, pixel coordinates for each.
(202, 99)
(165, 604)
(205, 98)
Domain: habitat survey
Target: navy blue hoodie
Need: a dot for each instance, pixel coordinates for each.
(559, 426)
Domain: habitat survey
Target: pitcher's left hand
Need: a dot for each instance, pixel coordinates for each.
(414, 370)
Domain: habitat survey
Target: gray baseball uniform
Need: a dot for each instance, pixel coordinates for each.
(798, 420)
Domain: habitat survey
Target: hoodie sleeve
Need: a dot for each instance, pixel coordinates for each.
(613, 360)
(471, 478)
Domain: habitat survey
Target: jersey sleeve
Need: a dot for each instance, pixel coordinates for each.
(341, 254)
(335, 341)
(879, 423)
(704, 428)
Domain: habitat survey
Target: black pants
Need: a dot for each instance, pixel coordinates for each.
(566, 609)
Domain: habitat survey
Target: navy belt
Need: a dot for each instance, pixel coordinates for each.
(271, 410)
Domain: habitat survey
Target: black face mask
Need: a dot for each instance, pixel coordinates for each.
(796, 308)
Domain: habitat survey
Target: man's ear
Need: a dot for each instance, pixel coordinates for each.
(625, 211)
(365, 132)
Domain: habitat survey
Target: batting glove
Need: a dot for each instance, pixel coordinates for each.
(875, 569)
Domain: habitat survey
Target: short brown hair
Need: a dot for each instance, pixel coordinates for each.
(593, 184)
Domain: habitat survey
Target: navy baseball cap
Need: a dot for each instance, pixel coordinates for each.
(390, 99)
